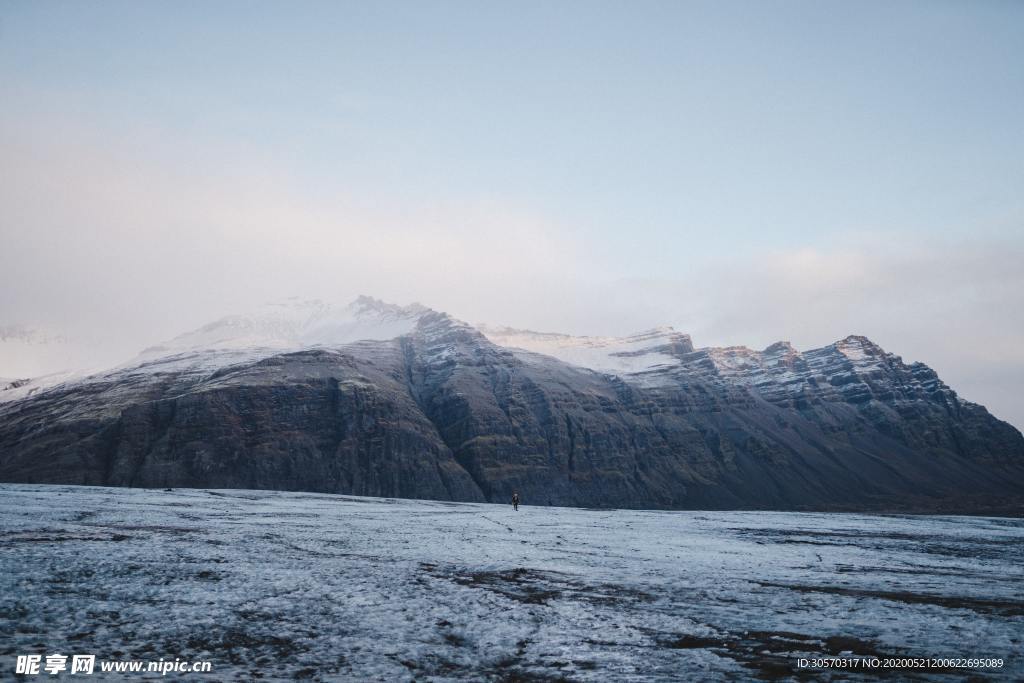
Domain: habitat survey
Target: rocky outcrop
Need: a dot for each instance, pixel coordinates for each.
(441, 411)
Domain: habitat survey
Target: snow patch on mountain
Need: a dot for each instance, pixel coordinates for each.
(297, 324)
(12, 389)
(635, 356)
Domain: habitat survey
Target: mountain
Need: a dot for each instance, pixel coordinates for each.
(384, 400)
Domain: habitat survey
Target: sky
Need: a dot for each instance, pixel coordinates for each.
(746, 172)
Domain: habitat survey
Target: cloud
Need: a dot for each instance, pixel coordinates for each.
(132, 240)
(118, 242)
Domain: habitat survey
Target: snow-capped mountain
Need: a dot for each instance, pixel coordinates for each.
(378, 399)
(844, 371)
(275, 328)
(297, 324)
(642, 357)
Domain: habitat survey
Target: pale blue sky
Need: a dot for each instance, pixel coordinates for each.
(650, 147)
(694, 124)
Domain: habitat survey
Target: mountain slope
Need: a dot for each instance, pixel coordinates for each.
(375, 399)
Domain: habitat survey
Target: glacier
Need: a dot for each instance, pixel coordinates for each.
(285, 585)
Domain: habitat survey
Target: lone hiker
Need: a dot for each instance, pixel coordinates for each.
(515, 501)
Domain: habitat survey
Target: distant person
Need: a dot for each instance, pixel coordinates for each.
(515, 501)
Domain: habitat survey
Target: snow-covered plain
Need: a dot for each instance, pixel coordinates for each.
(273, 585)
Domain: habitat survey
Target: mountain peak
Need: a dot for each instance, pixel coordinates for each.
(779, 347)
(296, 324)
(856, 340)
(858, 347)
(364, 304)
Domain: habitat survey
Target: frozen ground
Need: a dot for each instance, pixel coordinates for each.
(292, 585)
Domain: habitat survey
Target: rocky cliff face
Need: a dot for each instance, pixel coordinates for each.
(391, 401)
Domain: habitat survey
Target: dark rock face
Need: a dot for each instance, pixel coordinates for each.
(443, 413)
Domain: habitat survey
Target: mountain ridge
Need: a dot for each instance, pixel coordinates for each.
(378, 399)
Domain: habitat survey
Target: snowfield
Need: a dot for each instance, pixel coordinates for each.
(281, 586)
